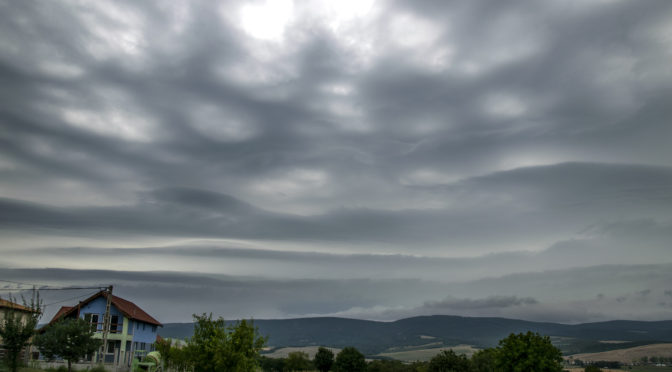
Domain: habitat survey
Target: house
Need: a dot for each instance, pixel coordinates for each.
(132, 331)
(23, 312)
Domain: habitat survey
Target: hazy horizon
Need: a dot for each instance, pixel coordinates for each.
(367, 159)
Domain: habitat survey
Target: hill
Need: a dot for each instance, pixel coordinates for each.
(373, 337)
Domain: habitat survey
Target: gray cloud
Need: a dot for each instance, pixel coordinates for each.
(407, 140)
(478, 304)
(542, 296)
(526, 208)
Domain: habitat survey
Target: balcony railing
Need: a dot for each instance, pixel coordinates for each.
(114, 327)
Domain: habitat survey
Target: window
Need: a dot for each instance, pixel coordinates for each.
(113, 323)
(153, 328)
(92, 319)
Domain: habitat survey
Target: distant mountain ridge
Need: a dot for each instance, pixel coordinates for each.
(373, 337)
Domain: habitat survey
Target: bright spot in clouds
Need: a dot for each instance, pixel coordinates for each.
(266, 20)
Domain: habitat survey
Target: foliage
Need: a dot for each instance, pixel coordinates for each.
(528, 352)
(610, 364)
(17, 327)
(297, 361)
(173, 357)
(448, 361)
(216, 347)
(350, 360)
(592, 369)
(70, 339)
(324, 359)
(271, 364)
(384, 365)
(484, 361)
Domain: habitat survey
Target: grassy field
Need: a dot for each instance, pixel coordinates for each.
(427, 354)
(628, 355)
(284, 351)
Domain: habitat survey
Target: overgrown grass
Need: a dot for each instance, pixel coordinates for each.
(97, 368)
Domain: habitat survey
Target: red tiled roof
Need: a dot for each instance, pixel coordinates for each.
(12, 305)
(133, 311)
(126, 307)
(61, 311)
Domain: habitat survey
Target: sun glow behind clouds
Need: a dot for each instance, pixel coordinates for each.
(267, 20)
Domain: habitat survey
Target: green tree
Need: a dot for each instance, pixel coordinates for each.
(173, 357)
(448, 361)
(528, 352)
(324, 359)
(297, 361)
(70, 339)
(18, 326)
(350, 360)
(592, 369)
(217, 347)
(484, 361)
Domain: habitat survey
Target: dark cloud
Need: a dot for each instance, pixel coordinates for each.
(526, 208)
(496, 302)
(396, 140)
(543, 296)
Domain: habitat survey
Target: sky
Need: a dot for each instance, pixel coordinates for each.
(362, 158)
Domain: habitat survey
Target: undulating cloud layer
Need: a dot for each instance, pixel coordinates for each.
(375, 159)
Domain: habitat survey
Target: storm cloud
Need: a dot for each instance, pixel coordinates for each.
(378, 141)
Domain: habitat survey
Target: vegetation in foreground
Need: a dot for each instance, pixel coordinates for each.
(69, 339)
(218, 346)
(16, 329)
(529, 352)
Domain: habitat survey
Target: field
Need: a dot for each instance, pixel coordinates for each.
(284, 351)
(427, 354)
(628, 355)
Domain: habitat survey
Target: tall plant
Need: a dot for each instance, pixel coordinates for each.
(18, 326)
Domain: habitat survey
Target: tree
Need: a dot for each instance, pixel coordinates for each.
(592, 369)
(297, 361)
(448, 361)
(528, 352)
(484, 360)
(18, 326)
(173, 357)
(323, 360)
(350, 360)
(70, 339)
(218, 347)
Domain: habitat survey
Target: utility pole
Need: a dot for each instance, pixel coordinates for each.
(106, 323)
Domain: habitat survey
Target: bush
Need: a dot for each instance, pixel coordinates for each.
(448, 361)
